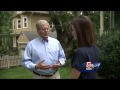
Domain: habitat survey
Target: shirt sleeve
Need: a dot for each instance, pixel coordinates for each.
(27, 58)
(77, 60)
(61, 55)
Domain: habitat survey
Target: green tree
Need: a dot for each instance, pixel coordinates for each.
(107, 20)
(95, 17)
(5, 30)
(6, 21)
(61, 21)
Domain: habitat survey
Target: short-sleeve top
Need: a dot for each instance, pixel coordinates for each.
(85, 54)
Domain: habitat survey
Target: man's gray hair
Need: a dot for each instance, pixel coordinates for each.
(40, 23)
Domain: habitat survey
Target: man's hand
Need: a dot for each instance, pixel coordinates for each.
(40, 65)
(56, 66)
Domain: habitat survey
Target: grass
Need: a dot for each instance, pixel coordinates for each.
(20, 72)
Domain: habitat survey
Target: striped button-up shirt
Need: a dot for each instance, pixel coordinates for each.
(38, 50)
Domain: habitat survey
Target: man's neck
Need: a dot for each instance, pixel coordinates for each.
(44, 39)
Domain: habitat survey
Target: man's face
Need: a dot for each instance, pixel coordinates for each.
(43, 32)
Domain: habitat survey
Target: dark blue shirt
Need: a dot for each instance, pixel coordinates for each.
(85, 54)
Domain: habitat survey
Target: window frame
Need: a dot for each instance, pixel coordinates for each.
(17, 24)
(25, 22)
(13, 24)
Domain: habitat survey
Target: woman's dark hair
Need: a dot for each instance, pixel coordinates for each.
(84, 30)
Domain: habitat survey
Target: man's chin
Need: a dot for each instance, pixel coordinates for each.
(46, 37)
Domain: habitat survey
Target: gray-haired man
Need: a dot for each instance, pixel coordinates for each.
(44, 55)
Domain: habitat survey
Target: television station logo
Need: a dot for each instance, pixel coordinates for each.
(90, 66)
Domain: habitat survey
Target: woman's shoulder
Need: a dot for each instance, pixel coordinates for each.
(79, 52)
(85, 49)
(81, 49)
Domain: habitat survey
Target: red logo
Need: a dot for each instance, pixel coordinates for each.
(89, 66)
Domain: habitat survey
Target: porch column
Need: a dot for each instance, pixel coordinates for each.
(101, 22)
(14, 41)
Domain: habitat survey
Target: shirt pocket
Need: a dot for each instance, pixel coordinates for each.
(53, 55)
(37, 56)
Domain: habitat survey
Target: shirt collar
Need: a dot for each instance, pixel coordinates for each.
(41, 39)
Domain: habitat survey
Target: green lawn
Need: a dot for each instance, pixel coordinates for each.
(20, 72)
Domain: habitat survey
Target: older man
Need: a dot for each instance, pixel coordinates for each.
(44, 55)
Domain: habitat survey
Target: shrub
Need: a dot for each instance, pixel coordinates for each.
(109, 46)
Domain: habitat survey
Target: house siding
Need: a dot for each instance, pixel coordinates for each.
(31, 23)
(22, 39)
(35, 18)
(32, 18)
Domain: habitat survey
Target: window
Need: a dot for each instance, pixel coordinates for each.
(18, 24)
(13, 24)
(51, 24)
(25, 23)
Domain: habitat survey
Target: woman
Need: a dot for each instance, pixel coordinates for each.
(87, 51)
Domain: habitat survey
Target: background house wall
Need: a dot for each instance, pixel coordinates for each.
(32, 18)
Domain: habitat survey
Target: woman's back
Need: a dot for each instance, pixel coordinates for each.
(83, 55)
(87, 53)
